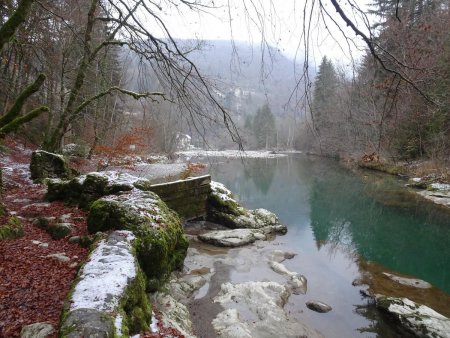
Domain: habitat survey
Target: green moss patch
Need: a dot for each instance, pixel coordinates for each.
(13, 229)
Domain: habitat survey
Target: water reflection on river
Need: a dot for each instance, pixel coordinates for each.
(342, 225)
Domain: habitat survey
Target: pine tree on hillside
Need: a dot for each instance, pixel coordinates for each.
(324, 95)
(264, 127)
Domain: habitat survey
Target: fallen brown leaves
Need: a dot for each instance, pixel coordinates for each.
(33, 287)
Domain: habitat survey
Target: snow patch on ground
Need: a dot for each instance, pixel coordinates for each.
(106, 276)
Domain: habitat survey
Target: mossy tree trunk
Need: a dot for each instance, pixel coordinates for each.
(12, 119)
(8, 30)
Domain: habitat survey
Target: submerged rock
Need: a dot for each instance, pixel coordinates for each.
(37, 330)
(280, 256)
(318, 306)
(414, 282)
(255, 309)
(297, 283)
(238, 237)
(222, 208)
(418, 319)
(48, 165)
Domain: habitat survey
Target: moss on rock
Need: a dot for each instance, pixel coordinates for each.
(160, 243)
(59, 230)
(136, 306)
(222, 208)
(85, 189)
(48, 165)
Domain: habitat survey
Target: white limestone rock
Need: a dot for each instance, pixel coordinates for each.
(416, 318)
(256, 309)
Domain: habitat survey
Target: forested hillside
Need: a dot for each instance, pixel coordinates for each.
(398, 103)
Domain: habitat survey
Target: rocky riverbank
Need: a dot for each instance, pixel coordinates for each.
(237, 279)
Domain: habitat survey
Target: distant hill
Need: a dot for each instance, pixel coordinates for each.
(246, 76)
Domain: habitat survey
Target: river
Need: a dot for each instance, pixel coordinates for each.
(344, 227)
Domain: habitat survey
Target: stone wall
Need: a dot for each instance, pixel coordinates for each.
(187, 197)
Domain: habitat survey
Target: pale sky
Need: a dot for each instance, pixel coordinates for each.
(279, 21)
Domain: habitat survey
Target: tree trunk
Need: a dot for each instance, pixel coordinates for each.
(9, 28)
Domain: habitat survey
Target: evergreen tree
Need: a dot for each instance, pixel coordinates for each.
(324, 96)
(264, 127)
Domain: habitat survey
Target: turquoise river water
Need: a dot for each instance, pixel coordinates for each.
(343, 226)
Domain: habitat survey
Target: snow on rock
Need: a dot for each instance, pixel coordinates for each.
(106, 275)
(143, 203)
(224, 209)
(109, 283)
(416, 318)
(221, 191)
(157, 227)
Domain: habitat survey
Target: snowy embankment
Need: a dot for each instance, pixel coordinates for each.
(230, 153)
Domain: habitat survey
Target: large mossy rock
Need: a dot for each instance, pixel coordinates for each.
(223, 209)
(48, 165)
(85, 189)
(160, 243)
(417, 319)
(109, 297)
